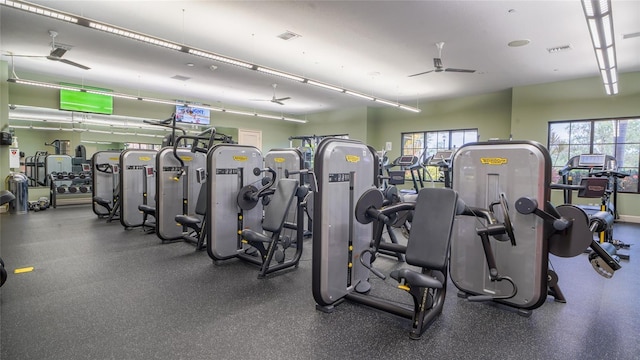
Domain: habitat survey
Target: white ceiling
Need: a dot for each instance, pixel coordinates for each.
(367, 46)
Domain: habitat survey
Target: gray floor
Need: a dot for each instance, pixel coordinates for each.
(99, 291)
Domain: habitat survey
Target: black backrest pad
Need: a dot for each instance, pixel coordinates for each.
(428, 243)
(201, 204)
(276, 212)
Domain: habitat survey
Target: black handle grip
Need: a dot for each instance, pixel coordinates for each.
(378, 215)
(377, 273)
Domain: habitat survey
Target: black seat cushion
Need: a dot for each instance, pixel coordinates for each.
(147, 209)
(414, 278)
(187, 220)
(251, 235)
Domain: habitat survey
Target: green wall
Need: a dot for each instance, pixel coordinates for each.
(350, 121)
(490, 113)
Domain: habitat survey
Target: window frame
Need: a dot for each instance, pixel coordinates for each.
(624, 146)
(423, 149)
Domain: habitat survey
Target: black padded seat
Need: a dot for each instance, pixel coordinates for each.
(196, 223)
(146, 211)
(102, 202)
(416, 279)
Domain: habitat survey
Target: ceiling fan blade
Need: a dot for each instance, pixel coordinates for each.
(283, 99)
(277, 101)
(422, 73)
(459, 70)
(69, 62)
(58, 52)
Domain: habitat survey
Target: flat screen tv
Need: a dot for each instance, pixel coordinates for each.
(84, 101)
(192, 115)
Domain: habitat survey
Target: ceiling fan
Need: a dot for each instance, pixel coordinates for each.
(57, 51)
(437, 64)
(274, 99)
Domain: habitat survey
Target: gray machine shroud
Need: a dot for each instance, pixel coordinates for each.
(170, 193)
(229, 168)
(481, 172)
(344, 170)
(103, 184)
(137, 174)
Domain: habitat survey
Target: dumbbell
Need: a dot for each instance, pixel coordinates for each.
(83, 189)
(61, 189)
(73, 189)
(60, 176)
(71, 175)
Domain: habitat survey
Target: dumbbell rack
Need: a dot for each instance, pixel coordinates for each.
(69, 185)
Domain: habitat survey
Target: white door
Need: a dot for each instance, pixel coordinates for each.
(250, 137)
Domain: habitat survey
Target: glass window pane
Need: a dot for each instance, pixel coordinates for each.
(559, 133)
(432, 140)
(629, 183)
(559, 154)
(604, 132)
(580, 132)
(629, 131)
(579, 150)
(470, 136)
(607, 149)
(457, 139)
(443, 140)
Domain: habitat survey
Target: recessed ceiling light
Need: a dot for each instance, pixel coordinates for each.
(518, 43)
(190, 64)
(213, 68)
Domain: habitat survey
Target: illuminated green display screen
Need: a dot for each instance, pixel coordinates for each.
(84, 101)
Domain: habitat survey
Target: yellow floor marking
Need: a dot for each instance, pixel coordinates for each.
(23, 270)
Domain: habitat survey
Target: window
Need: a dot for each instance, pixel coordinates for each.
(426, 143)
(619, 138)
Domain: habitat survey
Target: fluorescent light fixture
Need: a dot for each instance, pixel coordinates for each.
(161, 101)
(381, 101)
(112, 94)
(42, 84)
(323, 85)
(220, 58)
(40, 10)
(279, 73)
(237, 112)
(135, 36)
(409, 108)
(600, 22)
(363, 96)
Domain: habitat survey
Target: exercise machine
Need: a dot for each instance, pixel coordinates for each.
(346, 241)
(501, 242)
(188, 181)
(236, 198)
(137, 185)
(105, 189)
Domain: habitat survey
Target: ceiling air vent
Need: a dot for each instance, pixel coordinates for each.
(558, 49)
(288, 35)
(180, 77)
